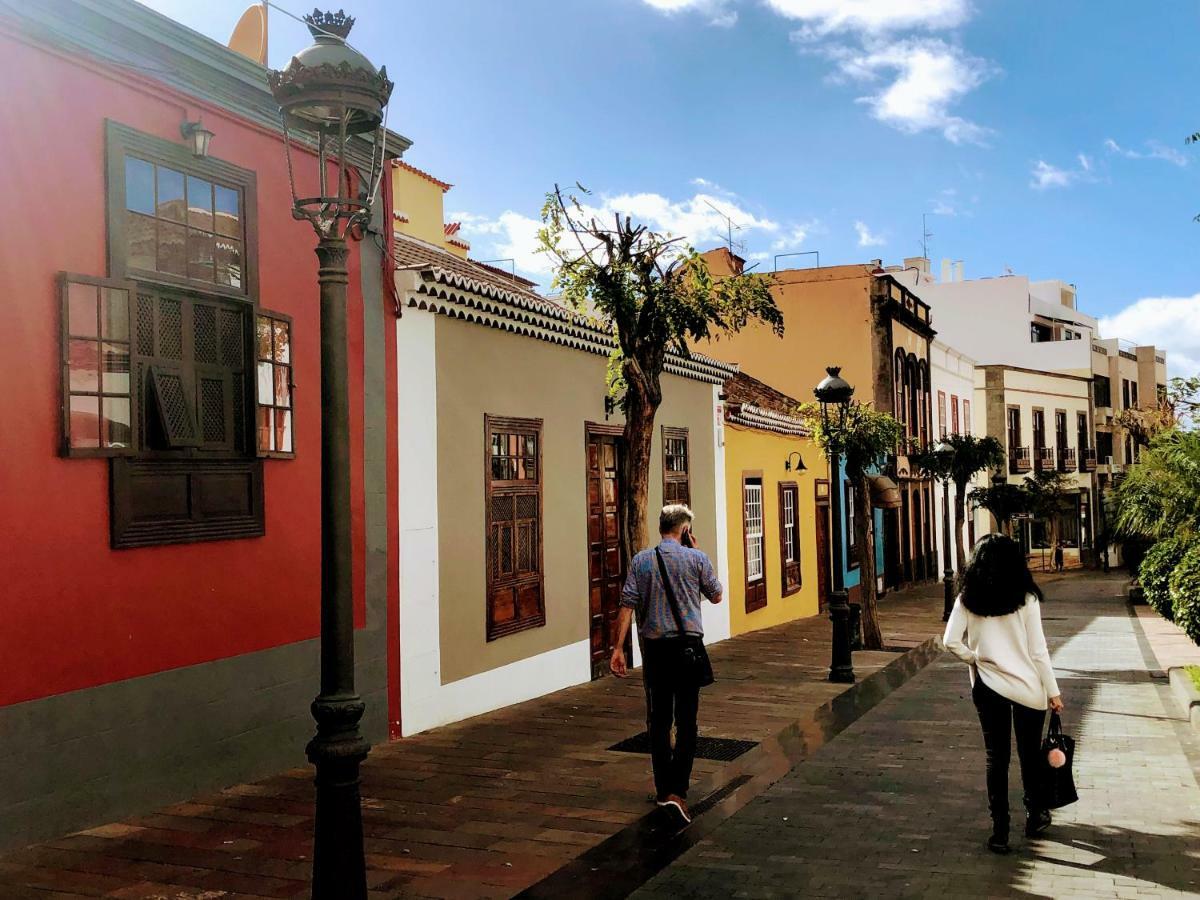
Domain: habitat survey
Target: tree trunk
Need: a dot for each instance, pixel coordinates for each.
(642, 399)
(960, 520)
(864, 529)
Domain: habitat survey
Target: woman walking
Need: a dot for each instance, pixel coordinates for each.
(996, 629)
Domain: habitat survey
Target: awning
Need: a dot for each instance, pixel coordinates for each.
(884, 493)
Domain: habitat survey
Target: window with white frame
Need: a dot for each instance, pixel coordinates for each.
(752, 501)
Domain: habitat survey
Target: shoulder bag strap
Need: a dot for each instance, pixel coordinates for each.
(662, 571)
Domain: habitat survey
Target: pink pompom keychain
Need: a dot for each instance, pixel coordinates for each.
(1056, 758)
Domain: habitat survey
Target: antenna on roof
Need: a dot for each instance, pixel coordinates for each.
(730, 225)
(926, 234)
(508, 259)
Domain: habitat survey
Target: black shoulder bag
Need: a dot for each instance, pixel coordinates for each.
(695, 656)
(1057, 782)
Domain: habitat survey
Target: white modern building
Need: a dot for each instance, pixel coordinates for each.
(952, 380)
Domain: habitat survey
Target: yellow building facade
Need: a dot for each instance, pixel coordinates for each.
(772, 470)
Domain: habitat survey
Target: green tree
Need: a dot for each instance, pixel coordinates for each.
(1004, 501)
(1160, 495)
(864, 437)
(654, 295)
(1050, 498)
(967, 456)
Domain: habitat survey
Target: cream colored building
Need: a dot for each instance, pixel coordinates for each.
(1043, 419)
(509, 480)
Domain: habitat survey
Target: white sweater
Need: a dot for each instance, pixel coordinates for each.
(1009, 652)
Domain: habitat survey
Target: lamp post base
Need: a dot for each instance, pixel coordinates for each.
(948, 596)
(339, 864)
(841, 668)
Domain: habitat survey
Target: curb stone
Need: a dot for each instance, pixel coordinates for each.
(1186, 693)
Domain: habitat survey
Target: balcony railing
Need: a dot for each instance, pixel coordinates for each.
(1087, 460)
(1018, 460)
(1066, 460)
(1043, 459)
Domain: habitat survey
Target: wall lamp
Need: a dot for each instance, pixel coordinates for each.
(799, 467)
(198, 136)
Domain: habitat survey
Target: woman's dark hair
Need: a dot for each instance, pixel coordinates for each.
(997, 578)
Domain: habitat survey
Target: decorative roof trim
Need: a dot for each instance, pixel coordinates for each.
(750, 416)
(494, 309)
(401, 164)
(459, 242)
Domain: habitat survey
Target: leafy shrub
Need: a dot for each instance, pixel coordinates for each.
(1155, 573)
(1185, 592)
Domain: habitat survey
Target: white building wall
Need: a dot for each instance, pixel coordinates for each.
(952, 373)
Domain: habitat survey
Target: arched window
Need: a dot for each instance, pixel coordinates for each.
(914, 394)
(924, 400)
(901, 407)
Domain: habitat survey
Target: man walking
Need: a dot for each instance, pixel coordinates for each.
(671, 626)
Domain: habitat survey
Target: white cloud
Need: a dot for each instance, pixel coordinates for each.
(1154, 150)
(1169, 323)
(1085, 163)
(720, 13)
(1045, 176)
(946, 203)
(823, 17)
(793, 239)
(927, 77)
(700, 220)
(866, 238)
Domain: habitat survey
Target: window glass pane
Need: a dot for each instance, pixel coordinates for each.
(283, 430)
(199, 203)
(116, 368)
(283, 392)
(283, 342)
(263, 338)
(83, 362)
(81, 309)
(228, 217)
(265, 435)
(498, 468)
(172, 250)
(117, 428)
(170, 194)
(141, 246)
(200, 255)
(229, 262)
(85, 421)
(114, 313)
(266, 387)
(139, 185)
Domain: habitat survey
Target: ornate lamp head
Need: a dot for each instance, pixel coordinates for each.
(327, 93)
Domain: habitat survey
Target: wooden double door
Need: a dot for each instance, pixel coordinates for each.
(607, 565)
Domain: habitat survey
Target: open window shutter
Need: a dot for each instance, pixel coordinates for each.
(176, 418)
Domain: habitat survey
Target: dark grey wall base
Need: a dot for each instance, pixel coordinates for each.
(91, 756)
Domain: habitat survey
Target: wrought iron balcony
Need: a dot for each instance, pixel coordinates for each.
(1018, 460)
(1087, 460)
(1066, 459)
(1043, 459)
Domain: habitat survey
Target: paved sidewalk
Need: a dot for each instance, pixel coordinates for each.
(483, 808)
(895, 805)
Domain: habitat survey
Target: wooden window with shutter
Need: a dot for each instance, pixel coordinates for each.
(677, 484)
(954, 414)
(273, 379)
(789, 537)
(513, 497)
(754, 545)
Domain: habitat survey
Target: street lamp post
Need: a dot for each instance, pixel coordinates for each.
(945, 450)
(330, 93)
(834, 394)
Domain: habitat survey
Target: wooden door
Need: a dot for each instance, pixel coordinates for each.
(606, 562)
(823, 549)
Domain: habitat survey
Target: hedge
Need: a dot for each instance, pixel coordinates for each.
(1185, 592)
(1155, 572)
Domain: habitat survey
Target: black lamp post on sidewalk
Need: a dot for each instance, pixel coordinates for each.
(834, 394)
(330, 93)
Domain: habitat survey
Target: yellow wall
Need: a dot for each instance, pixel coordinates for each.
(827, 322)
(751, 450)
(421, 202)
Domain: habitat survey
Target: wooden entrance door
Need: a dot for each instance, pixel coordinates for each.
(606, 562)
(823, 549)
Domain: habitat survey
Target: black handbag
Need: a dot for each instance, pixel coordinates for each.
(696, 663)
(1057, 784)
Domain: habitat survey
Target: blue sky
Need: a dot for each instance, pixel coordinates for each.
(1046, 138)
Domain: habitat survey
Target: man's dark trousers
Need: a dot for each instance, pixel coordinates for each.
(672, 695)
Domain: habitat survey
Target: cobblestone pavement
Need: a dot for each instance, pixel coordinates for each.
(482, 808)
(895, 805)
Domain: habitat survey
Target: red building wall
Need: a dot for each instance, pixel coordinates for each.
(75, 612)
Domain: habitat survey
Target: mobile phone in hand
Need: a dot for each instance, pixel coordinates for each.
(686, 538)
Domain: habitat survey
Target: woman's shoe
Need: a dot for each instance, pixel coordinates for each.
(1037, 823)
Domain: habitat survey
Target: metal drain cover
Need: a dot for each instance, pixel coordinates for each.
(719, 749)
